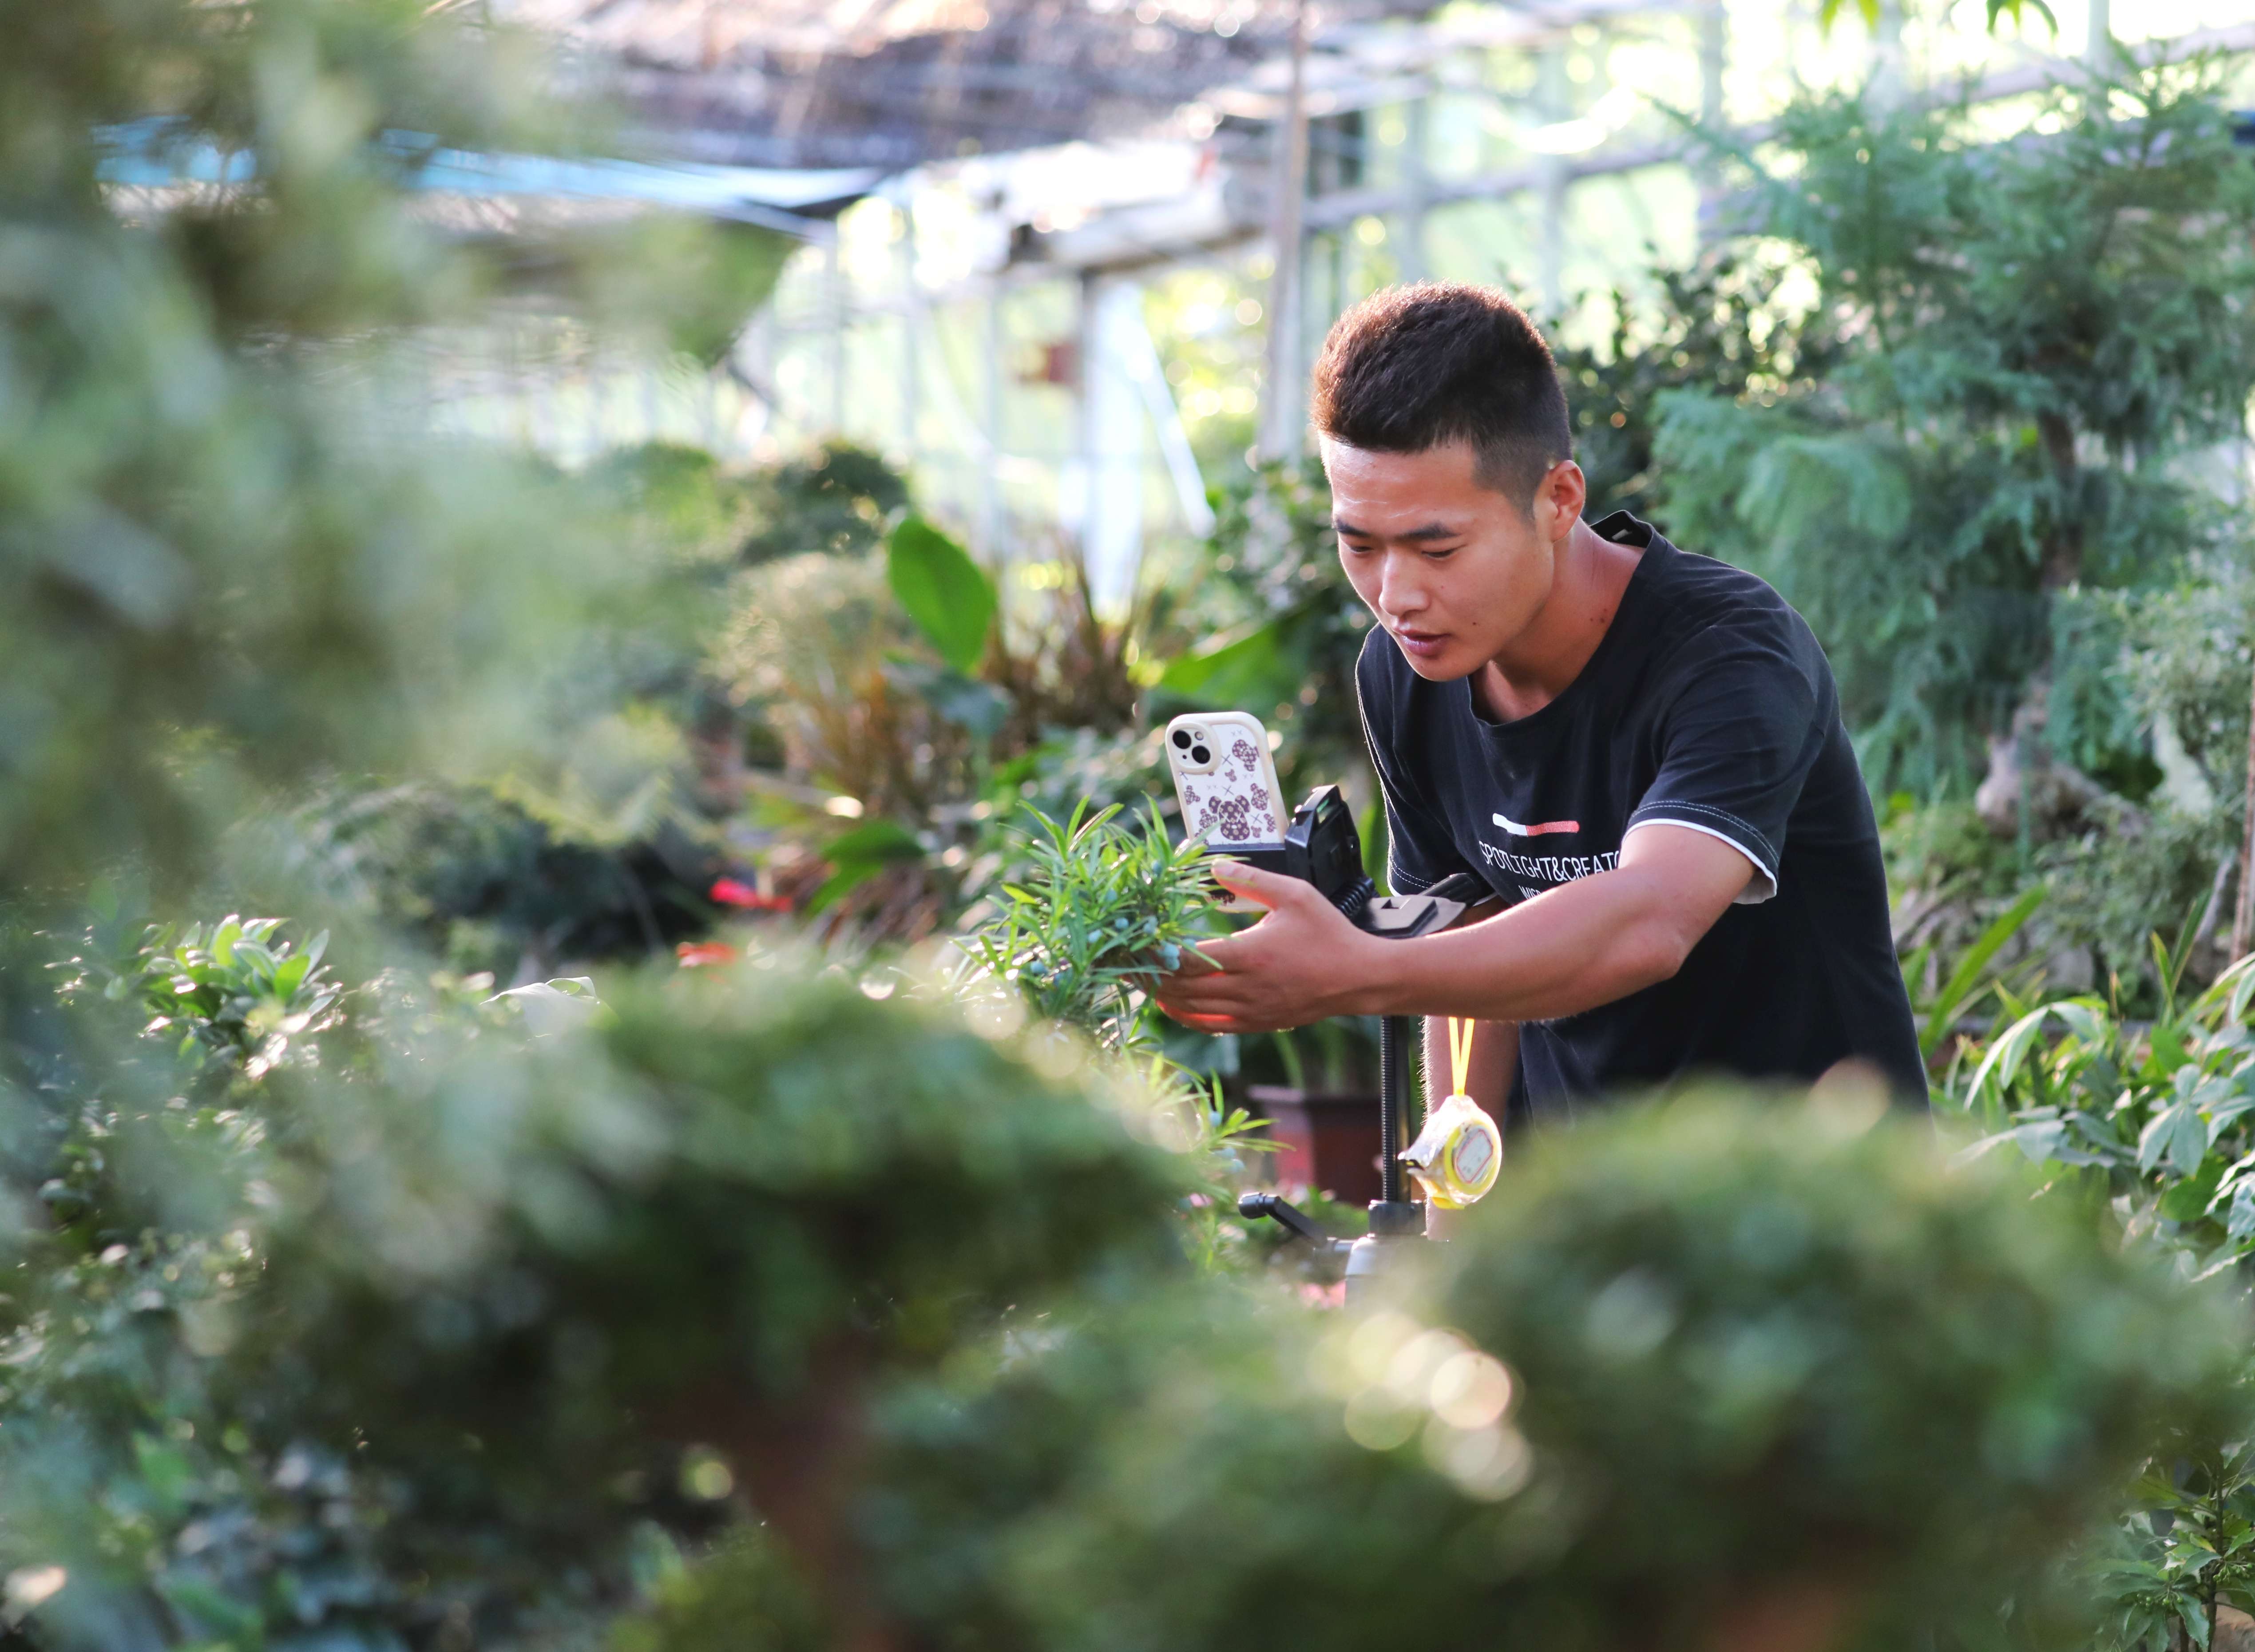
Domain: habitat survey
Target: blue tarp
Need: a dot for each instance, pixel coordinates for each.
(157, 153)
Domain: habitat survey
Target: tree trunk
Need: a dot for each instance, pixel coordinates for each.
(2243, 918)
(2062, 551)
(801, 1458)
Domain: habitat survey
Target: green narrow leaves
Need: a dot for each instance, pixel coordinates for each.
(1829, 12)
(1971, 970)
(1103, 907)
(946, 592)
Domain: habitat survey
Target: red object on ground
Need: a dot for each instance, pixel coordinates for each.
(692, 954)
(730, 892)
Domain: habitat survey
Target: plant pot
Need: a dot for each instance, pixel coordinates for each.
(1324, 1139)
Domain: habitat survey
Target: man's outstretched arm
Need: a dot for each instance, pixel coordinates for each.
(1572, 948)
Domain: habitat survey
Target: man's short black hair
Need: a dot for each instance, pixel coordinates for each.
(1412, 368)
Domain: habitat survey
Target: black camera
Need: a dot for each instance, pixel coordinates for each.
(1322, 847)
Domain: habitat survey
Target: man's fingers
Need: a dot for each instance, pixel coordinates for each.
(1205, 1019)
(1270, 890)
(1198, 960)
(1203, 996)
(1193, 1002)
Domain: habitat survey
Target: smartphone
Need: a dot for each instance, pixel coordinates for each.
(1226, 780)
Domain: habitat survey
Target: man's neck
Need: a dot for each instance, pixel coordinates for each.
(1537, 664)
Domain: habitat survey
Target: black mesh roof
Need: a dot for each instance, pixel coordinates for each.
(894, 83)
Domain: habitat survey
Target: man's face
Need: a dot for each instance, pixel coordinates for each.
(1453, 569)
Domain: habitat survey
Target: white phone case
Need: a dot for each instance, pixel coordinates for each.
(1226, 780)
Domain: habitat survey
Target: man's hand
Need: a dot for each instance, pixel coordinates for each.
(1584, 943)
(1302, 962)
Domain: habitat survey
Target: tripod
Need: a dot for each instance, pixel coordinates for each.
(1322, 847)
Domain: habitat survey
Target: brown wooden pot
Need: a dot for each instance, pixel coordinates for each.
(1324, 1139)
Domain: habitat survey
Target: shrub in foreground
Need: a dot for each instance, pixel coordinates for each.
(1719, 1370)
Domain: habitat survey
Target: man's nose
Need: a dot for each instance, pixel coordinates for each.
(1401, 592)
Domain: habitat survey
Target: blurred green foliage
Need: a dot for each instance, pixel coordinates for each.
(357, 1325)
(218, 569)
(2029, 333)
(1283, 628)
(2181, 675)
(1690, 1377)
(1722, 326)
(781, 1302)
(946, 592)
(2149, 1120)
(602, 831)
(1760, 1301)
(2157, 1115)
(493, 883)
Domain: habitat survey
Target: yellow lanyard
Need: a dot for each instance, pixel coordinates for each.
(1460, 1054)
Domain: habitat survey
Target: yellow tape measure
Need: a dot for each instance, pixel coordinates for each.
(1456, 1156)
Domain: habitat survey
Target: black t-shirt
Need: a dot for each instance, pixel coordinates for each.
(1708, 704)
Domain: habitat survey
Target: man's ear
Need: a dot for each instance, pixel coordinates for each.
(1559, 498)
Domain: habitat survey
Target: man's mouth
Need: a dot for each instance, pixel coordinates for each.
(1420, 644)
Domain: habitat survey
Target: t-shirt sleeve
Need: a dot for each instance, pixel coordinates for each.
(1419, 852)
(1744, 726)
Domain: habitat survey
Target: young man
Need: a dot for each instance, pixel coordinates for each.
(1639, 749)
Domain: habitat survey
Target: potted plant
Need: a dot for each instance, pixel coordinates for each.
(1324, 1123)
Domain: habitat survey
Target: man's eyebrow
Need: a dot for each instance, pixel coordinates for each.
(1430, 531)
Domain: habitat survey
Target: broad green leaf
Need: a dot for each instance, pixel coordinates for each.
(290, 975)
(2239, 1219)
(946, 592)
(2085, 1021)
(2241, 979)
(2176, 1133)
(1967, 975)
(980, 707)
(849, 877)
(1254, 670)
(218, 1612)
(860, 854)
(2040, 1139)
(875, 841)
(2002, 1064)
(164, 1472)
(2188, 1201)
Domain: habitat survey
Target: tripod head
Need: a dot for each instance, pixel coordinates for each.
(1322, 847)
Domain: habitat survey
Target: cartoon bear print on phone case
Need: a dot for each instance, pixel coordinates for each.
(1224, 779)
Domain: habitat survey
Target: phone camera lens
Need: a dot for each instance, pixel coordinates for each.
(1181, 739)
(1199, 754)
